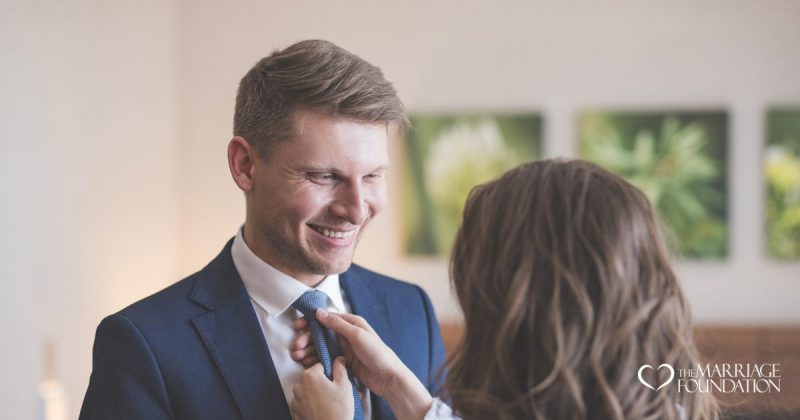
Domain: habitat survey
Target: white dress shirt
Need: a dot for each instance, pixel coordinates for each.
(272, 293)
(440, 411)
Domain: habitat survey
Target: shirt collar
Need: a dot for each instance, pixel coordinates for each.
(273, 290)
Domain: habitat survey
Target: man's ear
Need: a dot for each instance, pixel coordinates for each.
(241, 162)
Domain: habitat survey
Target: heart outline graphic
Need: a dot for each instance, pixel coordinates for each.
(667, 382)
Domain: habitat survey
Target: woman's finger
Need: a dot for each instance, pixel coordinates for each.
(317, 369)
(340, 372)
(345, 346)
(300, 323)
(305, 353)
(357, 321)
(309, 361)
(294, 408)
(298, 391)
(338, 324)
(302, 341)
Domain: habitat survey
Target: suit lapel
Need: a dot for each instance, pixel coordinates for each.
(233, 336)
(370, 303)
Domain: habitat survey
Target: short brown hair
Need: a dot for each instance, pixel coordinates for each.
(312, 75)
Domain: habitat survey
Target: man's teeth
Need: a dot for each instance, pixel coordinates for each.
(335, 234)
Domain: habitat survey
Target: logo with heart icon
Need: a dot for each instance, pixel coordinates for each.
(663, 365)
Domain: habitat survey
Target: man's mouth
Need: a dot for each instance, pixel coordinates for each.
(334, 233)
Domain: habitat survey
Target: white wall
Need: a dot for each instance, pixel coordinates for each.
(115, 118)
(87, 180)
(555, 57)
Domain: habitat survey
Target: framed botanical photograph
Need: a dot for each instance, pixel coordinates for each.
(445, 157)
(679, 160)
(782, 173)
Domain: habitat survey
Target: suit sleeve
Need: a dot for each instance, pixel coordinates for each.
(436, 353)
(126, 382)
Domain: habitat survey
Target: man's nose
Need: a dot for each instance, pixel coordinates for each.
(350, 203)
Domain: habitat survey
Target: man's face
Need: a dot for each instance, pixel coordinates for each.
(315, 193)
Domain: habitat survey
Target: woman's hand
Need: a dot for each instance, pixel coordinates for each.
(369, 359)
(316, 397)
(302, 348)
(377, 366)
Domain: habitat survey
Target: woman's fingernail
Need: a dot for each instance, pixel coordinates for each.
(321, 313)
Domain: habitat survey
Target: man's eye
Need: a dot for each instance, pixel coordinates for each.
(322, 177)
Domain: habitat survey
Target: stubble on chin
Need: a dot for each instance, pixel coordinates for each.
(304, 257)
(340, 264)
(312, 260)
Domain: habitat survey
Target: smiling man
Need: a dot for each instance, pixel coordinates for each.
(310, 153)
(310, 198)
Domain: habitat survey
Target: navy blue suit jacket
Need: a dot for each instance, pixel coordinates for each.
(195, 350)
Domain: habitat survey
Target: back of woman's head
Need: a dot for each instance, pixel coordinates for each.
(566, 288)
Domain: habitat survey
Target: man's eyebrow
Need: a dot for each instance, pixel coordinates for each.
(323, 168)
(314, 168)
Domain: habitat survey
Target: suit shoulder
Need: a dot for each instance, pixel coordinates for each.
(385, 282)
(170, 302)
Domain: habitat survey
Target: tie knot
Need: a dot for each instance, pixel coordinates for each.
(309, 302)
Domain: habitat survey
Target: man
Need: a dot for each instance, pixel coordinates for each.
(309, 152)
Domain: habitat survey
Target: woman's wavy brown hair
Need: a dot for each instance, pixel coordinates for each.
(566, 287)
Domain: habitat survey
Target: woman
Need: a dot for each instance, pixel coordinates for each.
(567, 290)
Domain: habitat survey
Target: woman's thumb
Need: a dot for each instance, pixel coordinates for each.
(335, 323)
(340, 371)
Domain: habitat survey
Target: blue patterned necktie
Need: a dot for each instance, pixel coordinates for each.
(324, 339)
